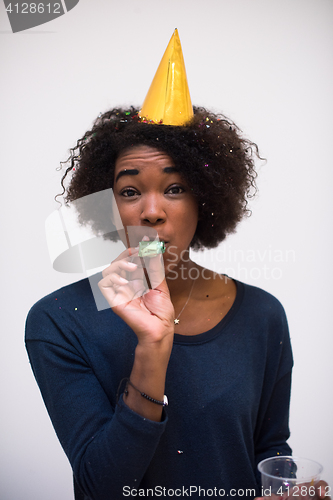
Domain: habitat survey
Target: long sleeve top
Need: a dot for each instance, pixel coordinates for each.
(228, 391)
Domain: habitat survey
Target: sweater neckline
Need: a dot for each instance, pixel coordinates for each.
(201, 338)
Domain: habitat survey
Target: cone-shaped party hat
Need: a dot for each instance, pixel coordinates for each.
(168, 100)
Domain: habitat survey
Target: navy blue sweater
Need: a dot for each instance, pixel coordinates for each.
(228, 390)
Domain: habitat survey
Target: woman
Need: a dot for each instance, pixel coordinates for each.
(218, 349)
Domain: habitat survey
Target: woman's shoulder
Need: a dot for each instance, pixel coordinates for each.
(78, 291)
(260, 296)
(246, 292)
(261, 305)
(70, 318)
(61, 310)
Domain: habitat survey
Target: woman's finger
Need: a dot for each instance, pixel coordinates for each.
(155, 269)
(115, 279)
(118, 266)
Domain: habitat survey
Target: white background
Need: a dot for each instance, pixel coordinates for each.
(265, 63)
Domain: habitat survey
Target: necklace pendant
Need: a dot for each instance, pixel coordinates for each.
(176, 321)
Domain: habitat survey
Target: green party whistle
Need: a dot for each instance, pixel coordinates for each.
(151, 248)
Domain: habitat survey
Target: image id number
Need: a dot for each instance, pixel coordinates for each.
(303, 491)
(34, 8)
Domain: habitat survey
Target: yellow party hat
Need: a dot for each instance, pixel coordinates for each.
(168, 100)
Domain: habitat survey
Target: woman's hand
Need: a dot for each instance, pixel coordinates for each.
(149, 313)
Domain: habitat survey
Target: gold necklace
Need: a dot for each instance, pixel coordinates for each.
(176, 320)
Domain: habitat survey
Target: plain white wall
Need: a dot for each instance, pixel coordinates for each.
(265, 63)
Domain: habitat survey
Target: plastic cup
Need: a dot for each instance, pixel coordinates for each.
(289, 477)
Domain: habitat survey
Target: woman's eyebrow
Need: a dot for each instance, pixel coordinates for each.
(134, 171)
(127, 171)
(170, 170)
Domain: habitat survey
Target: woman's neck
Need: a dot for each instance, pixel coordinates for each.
(201, 297)
(180, 279)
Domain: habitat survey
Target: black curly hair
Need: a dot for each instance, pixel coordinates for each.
(216, 162)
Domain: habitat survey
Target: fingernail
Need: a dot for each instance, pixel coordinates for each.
(123, 280)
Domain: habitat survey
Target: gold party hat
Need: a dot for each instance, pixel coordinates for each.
(168, 100)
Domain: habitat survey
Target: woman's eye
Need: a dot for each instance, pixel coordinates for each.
(128, 193)
(175, 190)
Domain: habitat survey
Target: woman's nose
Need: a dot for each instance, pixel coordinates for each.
(153, 210)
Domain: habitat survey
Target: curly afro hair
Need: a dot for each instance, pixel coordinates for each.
(216, 162)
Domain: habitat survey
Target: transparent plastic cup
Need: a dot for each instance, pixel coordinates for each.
(289, 477)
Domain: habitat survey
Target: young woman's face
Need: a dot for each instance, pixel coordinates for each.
(150, 192)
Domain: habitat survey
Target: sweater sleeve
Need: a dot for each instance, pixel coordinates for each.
(272, 430)
(108, 447)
